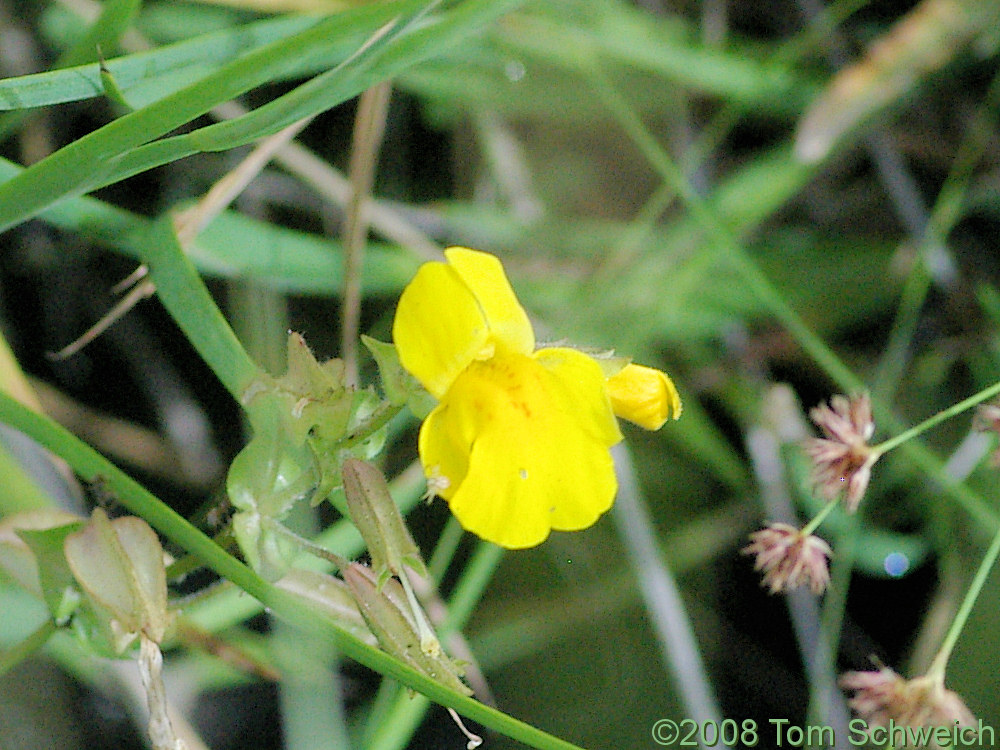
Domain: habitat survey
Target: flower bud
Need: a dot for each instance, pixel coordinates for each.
(644, 396)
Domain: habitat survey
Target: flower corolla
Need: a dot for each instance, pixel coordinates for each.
(519, 442)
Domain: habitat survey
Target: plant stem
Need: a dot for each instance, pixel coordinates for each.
(942, 415)
(90, 465)
(937, 667)
(369, 128)
(810, 527)
(723, 242)
(394, 727)
(306, 545)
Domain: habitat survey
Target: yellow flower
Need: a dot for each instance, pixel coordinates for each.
(644, 396)
(519, 441)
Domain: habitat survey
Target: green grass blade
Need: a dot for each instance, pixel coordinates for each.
(116, 15)
(234, 246)
(148, 76)
(91, 466)
(401, 48)
(182, 292)
(89, 161)
(615, 32)
(113, 152)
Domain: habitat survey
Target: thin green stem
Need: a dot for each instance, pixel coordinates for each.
(814, 524)
(396, 725)
(90, 465)
(724, 244)
(86, 163)
(223, 607)
(940, 662)
(941, 416)
(721, 239)
(445, 549)
(180, 569)
(306, 545)
(469, 589)
(114, 19)
(429, 642)
(372, 424)
(894, 357)
(946, 213)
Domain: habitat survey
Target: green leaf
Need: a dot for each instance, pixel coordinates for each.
(400, 386)
(234, 246)
(532, 67)
(116, 16)
(183, 293)
(59, 587)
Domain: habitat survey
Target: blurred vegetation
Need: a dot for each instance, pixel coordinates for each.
(744, 194)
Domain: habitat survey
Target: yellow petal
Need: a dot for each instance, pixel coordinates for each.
(520, 445)
(485, 277)
(439, 327)
(644, 396)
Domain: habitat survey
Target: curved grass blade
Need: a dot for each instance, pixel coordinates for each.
(145, 77)
(90, 465)
(115, 17)
(397, 50)
(88, 162)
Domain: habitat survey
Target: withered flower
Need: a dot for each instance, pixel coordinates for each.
(881, 696)
(790, 558)
(843, 459)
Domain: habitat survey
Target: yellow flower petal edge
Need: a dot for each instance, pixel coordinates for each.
(453, 313)
(439, 327)
(644, 396)
(520, 446)
(484, 275)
